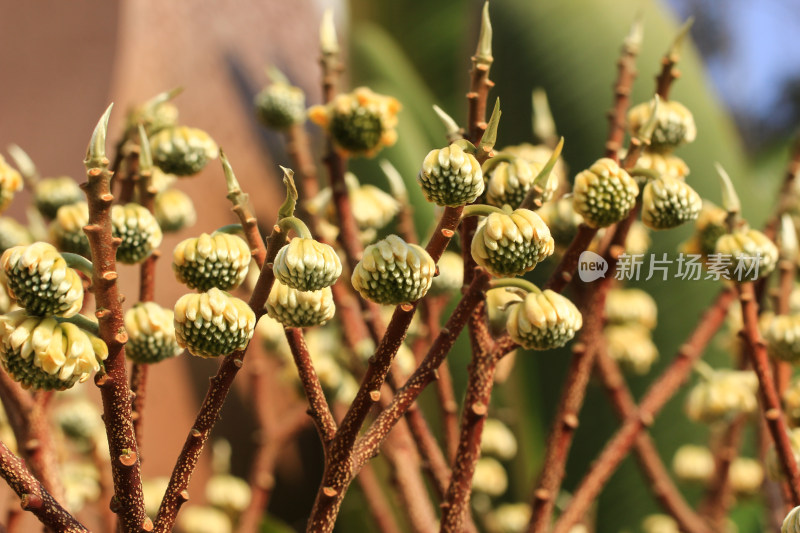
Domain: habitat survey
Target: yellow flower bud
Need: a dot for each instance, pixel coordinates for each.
(631, 306)
(50, 194)
(669, 202)
(392, 271)
(543, 321)
(300, 309)
(693, 464)
(67, 229)
(509, 245)
(174, 210)
(213, 323)
(722, 395)
(451, 177)
(182, 151)
(604, 194)
(218, 260)
(151, 333)
(748, 247)
(630, 345)
(307, 265)
(139, 231)
(674, 124)
(10, 183)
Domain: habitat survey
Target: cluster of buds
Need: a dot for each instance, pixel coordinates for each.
(393, 272)
(674, 124)
(10, 183)
(451, 176)
(280, 105)
(668, 202)
(782, 335)
(218, 260)
(182, 151)
(307, 265)
(43, 353)
(66, 230)
(708, 228)
(300, 309)
(510, 179)
(791, 524)
(138, 230)
(151, 333)
(543, 320)
(510, 244)
(359, 123)
(38, 279)
(50, 194)
(631, 316)
(213, 323)
(749, 249)
(696, 464)
(722, 394)
(604, 193)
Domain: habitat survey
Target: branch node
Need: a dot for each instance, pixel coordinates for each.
(330, 492)
(128, 459)
(570, 421)
(479, 408)
(375, 395)
(30, 502)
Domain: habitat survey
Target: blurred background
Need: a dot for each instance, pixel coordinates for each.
(62, 62)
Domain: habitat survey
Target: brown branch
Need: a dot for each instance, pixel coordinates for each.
(719, 497)
(659, 393)
(626, 74)
(786, 196)
(113, 381)
(566, 268)
(476, 406)
(318, 408)
(379, 507)
(770, 403)
(659, 479)
(299, 152)
(177, 493)
(34, 498)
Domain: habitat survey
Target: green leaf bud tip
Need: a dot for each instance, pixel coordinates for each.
(96, 152)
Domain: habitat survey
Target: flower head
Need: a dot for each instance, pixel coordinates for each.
(139, 231)
(300, 309)
(543, 321)
(218, 260)
(512, 244)
(182, 151)
(213, 323)
(451, 177)
(307, 265)
(392, 271)
(151, 333)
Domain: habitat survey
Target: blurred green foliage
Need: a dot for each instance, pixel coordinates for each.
(419, 53)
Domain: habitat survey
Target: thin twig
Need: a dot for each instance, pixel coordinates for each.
(626, 74)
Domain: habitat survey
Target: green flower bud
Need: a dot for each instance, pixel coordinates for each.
(139, 231)
(300, 309)
(451, 274)
(182, 151)
(674, 124)
(307, 265)
(10, 183)
(280, 106)
(664, 165)
(791, 524)
(497, 440)
(213, 323)
(44, 354)
(392, 271)
(372, 208)
(538, 154)
(38, 278)
(154, 118)
(722, 395)
(708, 228)
(509, 182)
(782, 335)
(360, 123)
(630, 345)
(66, 229)
(490, 477)
(631, 306)
(693, 464)
(218, 260)
(562, 220)
(668, 203)
(12, 233)
(509, 245)
(451, 177)
(50, 194)
(774, 469)
(79, 420)
(228, 493)
(196, 519)
(543, 321)
(748, 246)
(151, 333)
(174, 210)
(604, 194)
(746, 476)
(160, 181)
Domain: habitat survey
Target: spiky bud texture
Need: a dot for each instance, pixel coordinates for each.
(782, 335)
(631, 306)
(693, 464)
(604, 193)
(393, 271)
(451, 274)
(138, 230)
(44, 354)
(722, 395)
(543, 321)
(451, 177)
(38, 278)
(509, 182)
(12, 233)
(10, 183)
(772, 462)
(630, 345)
(509, 245)
(744, 248)
(674, 124)
(66, 229)
(182, 151)
(280, 106)
(360, 123)
(154, 118)
(668, 203)
(218, 260)
(151, 333)
(213, 323)
(50, 194)
(174, 210)
(300, 309)
(497, 440)
(307, 265)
